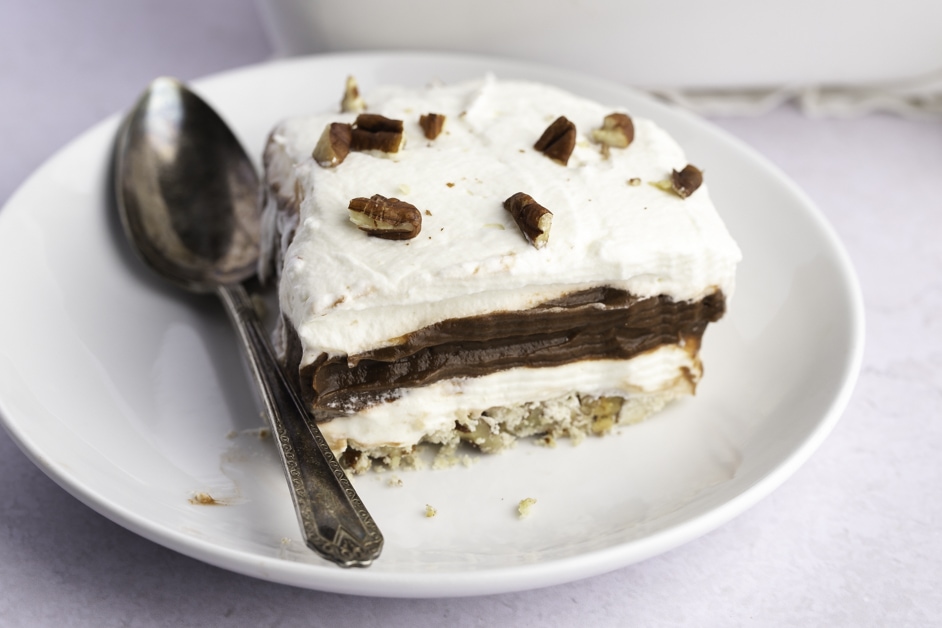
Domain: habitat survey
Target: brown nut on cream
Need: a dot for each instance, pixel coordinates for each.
(372, 131)
(533, 219)
(352, 101)
(387, 218)
(431, 124)
(558, 140)
(617, 131)
(682, 183)
(686, 182)
(334, 145)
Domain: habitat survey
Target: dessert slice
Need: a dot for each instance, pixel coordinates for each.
(488, 260)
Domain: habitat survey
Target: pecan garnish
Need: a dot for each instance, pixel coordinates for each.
(431, 124)
(372, 131)
(334, 144)
(683, 183)
(558, 140)
(533, 219)
(686, 182)
(387, 218)
(617, 131)
(352, 101)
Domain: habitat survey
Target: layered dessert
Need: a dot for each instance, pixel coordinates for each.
(484, 261)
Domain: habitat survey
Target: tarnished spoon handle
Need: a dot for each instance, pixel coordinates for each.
(335, 523)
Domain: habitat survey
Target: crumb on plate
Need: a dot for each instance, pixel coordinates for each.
(524, 507)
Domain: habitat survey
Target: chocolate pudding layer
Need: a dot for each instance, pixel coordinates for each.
(602, 323)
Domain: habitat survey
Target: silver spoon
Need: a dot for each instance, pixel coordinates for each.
(187, 195)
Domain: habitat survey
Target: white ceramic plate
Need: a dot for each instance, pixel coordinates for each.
(132, 396)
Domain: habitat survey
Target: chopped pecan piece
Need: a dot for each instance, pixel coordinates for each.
(683, 183)
(617, 131)
(352, 101)
(558, 140)
(686, 182)
(387, 218)
(372, 131)
(431, 124)
(334, 144)
(533, 219)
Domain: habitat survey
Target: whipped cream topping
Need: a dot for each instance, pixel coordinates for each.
(346, 292)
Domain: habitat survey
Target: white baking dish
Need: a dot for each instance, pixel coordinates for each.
(684, 43)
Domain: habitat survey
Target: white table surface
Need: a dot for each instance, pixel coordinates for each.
(853, 539)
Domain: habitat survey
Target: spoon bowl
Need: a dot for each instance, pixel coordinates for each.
(188, 193)
(188, 197)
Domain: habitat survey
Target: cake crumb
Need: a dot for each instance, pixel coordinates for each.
(429, 511)
(203, 499)
(524, 507)
(394, 481)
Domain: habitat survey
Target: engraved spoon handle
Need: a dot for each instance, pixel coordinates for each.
(335, 523)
